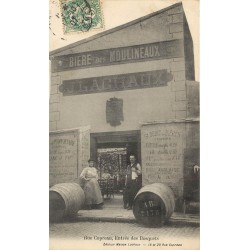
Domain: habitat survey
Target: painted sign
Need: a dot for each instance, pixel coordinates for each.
(162, 155)
(153, 51)
(69, 152)
(62, 157)
(148, 79)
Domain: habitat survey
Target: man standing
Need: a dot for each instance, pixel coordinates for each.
(132, 182)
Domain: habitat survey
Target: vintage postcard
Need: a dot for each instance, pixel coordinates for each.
(124, 169)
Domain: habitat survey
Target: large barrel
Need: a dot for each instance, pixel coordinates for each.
(65, 200)
(154, 204)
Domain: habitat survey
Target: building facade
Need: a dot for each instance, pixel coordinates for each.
(128, 90)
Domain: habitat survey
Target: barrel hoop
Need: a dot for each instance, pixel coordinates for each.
(165, 194)
(64, 191)
(157, 219)
(72, 202)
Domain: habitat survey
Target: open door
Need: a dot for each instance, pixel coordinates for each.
(112, 151)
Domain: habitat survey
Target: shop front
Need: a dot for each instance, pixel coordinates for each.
(128, 90)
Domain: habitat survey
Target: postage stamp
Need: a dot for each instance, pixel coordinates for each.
(81, 15)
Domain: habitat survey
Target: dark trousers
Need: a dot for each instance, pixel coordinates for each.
(130, 192)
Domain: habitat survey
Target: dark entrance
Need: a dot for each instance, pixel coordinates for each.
(112, 150)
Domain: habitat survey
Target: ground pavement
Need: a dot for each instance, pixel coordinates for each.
(108, 228)
(113, 211)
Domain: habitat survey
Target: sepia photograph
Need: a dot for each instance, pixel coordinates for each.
(124, 125)
(109, 109)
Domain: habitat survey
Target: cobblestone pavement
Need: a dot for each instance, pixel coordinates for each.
(79, 230)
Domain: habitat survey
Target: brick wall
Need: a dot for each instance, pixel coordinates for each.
(193, 99)
(54, 114)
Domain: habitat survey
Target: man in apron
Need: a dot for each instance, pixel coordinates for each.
(132, 182)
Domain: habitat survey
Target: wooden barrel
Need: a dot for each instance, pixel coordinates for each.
(65, 200)
(154, 204)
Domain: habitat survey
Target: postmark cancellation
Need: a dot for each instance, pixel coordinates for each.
(81, 15)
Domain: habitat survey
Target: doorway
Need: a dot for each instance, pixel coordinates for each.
(113, 162)
(111, 151)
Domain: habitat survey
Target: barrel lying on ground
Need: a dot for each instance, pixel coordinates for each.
(65, 200)
(154, 204)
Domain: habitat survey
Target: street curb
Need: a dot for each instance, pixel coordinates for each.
(106, 219)
(183, 223)
(171, 221)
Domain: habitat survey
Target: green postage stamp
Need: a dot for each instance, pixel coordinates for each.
(81, 15)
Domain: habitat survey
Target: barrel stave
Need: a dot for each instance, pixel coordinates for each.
(154, 204)
(65, 200)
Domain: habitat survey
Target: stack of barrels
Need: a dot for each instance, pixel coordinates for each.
(65, 200)
(154, 204)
